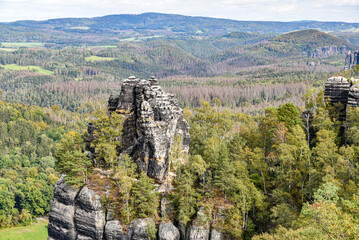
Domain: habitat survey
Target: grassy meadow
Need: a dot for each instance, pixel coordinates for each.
(22, 44)
(38, 69)
(97, 59)
(36, 231)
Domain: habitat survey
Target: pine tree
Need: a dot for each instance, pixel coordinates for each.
(146, 199)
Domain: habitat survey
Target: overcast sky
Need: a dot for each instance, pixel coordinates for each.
(257, 10)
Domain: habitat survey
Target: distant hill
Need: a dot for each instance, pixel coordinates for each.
(305, 42)
(311, 38)
(116, 27)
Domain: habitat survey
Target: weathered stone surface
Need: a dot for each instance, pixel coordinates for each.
(62, 211)
(182, 229)
(88, 200)
(336, 90)
(351, 60)
(138, 229)
(152, 119)
(114, 231)
(59, 232)
(200, 228)
(353, 96)
(327, 51)
(198, 233)
(61, 214)
(82, 237)
(167, 231)
(90, 224)
(166, 208)
(216, 235)
(64, 193)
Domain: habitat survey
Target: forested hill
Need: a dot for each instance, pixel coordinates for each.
(156, 25)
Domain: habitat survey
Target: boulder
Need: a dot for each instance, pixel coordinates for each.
(216, 235)
(138, 229)
(114, 231)
(167, 231)
(88, 200)
(64, 193)
(198, 233)
(90, 224)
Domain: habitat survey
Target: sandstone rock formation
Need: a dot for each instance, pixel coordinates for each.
(336, 90)
(351, 60)
(327, 51)
(340, 89)
(353, 95)
(167, 231)
(152, 119)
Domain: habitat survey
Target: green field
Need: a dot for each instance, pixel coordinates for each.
(97, 58)
(30, 68)
(138, 39)
(8, 49)
(36, 231)
(22, 44)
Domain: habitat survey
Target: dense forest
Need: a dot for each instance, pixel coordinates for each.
(275, 172)
(28, 138)
(245, 71)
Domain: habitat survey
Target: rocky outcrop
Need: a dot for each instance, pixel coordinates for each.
(327, 51)
(200, 229)
(79, 215)
(216, 235)
(62, 212)
(139, 229)
(152, 119)
(114, 231)
(167, 231)
(353, 96)
(336, 90)
(199, 233)
(351, 60)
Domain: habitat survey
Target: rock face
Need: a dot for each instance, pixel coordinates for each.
(79, 215)
(152, 120)
(62, 212)
(353, 96)
(113, 231)
(336, 90)
(167, 231)
(199, 233)
(351, 60)
(327, 51)
(138, 229)
(75, 214)
(215, 235)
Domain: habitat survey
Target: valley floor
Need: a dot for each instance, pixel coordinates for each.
(38, 231)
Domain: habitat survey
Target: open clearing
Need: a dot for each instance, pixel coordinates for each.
(29, 68)
(22, 44)
(97, 58)
(36, 231)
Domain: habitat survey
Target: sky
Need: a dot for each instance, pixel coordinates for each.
(256, 10)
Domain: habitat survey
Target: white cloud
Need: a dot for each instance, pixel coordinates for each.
(273, 10)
